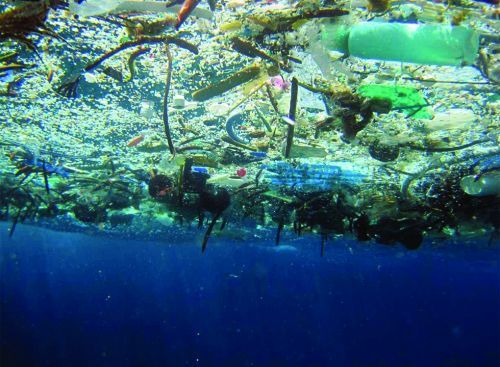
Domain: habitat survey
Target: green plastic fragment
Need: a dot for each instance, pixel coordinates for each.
(406, 99)
(125, 39)
(8, 55)
(493, 98)
(275, 195)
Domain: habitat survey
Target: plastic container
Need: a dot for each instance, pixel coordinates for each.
(487, 184)
(432, 44)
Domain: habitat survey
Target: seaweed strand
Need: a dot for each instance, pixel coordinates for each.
(209, 231)
(68, 88)
(14, 223)
(131, 61)
(281, 224)
(314, 89)
(166, 124)
(141, 41)
(272, 99)
(246, 48)
(445, 149)
(45, 178)
(324, 237)
(231, 141)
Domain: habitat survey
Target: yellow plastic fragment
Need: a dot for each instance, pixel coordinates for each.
(218, 88)
(230, 26)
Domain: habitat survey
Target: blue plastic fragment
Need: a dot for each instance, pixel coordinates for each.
(261, 155)
(486, 164)
(490, 163)
(7, 76)
(49, 168)
(200, 169)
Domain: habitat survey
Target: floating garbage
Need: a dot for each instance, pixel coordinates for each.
(179, 101)
(403, 98)
(313, 177)
(238, 78)
(487, 184)
(432, 44)
(198, 169)
(101, 7)
(251, 117)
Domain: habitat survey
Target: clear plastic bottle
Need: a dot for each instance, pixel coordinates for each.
(433, 44)
(313, 176)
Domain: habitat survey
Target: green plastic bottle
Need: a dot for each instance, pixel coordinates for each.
(487, 184)
(432, 44)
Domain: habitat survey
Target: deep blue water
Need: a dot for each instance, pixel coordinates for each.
(76, 300)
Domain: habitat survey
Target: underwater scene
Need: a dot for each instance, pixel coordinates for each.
(249, 183)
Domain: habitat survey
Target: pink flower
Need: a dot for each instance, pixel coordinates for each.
(279, 83)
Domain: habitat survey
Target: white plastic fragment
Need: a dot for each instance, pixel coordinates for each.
(288, 120)
(179, 101)
(99, 7)
(454, 118)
